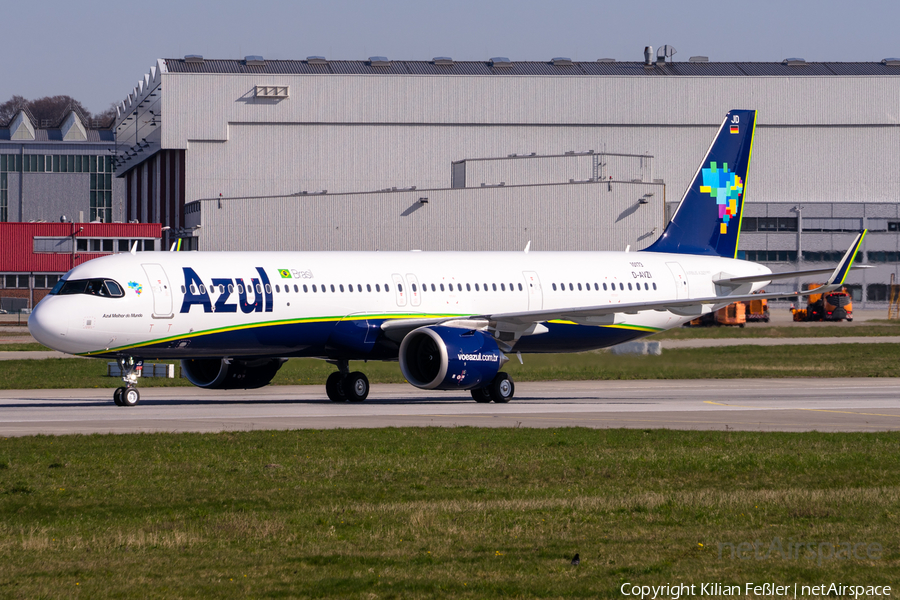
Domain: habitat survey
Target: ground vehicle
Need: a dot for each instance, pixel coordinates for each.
(733, 314)
(831, 306)
(758, 310)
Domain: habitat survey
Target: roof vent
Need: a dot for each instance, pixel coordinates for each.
(665, 53)
(254, 61)
(698, 59)
(379, 61)
(193, 58)
(442, 60)
(606, 60)
(891, 62)
(316, 60)
(562, 61)
(794, 62)
(500, 61)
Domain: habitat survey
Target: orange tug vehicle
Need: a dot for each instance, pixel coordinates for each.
(736, 313)
(833, 306)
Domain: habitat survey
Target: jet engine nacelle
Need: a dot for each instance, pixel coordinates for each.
(225, 374)
(447, 358)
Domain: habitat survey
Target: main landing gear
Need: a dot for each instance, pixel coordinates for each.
(343, 385)
(131, 370)
(501, 390)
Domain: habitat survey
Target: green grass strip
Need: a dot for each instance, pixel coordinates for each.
(846, 360)
(440, 513)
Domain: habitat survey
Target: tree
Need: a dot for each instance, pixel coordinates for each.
(47, 111)
(11, 107)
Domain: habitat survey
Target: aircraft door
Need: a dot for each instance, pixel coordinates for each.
(535, 293)
(682, 289)
(162, 292)
(415, 291)
(399, 289)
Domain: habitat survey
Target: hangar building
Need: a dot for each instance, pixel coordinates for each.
(443, 154)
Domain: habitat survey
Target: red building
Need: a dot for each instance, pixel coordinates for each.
(33, 256)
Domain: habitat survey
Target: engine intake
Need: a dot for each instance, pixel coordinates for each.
(223, 374)
(447, 358)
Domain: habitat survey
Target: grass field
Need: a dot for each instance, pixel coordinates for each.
(451, 513)
(851, 360)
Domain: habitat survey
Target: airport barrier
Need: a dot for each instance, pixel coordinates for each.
(641, 348)
(150, 370)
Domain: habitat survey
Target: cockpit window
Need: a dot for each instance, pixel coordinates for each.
(106, 288)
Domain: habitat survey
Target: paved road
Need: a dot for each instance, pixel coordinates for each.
(761, 405)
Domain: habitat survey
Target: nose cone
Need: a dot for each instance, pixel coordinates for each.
(49, 324)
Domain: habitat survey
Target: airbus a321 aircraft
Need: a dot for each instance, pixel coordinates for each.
(450, 318)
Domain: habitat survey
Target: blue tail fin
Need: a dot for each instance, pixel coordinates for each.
(708, 220)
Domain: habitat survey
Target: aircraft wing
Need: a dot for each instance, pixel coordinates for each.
(604, 314)
(688, 307)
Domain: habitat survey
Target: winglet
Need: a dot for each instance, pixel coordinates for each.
(840, 273)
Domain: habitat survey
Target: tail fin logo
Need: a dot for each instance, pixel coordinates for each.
(726, 187)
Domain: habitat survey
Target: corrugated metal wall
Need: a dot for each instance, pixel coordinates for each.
(591, 216)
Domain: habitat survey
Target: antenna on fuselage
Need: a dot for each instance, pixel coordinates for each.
(134, 247)
(527, 246)
(172, 249)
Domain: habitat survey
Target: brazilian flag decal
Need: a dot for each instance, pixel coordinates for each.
(285, 273)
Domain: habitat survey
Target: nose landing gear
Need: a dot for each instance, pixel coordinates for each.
(131, 370)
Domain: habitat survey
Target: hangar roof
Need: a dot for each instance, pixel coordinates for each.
(599, 68)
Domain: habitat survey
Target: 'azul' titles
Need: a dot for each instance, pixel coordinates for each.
(259, 289)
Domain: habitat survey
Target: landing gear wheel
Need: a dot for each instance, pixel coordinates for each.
(482, 394)
(356, 386)
(130, 397)
(334, 387)
(117, 396)
(502, 388)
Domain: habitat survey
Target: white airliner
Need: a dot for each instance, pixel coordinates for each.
(448, 317)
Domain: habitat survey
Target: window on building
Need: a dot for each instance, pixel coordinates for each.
(877, 292)
(101, 197)
(4, 199)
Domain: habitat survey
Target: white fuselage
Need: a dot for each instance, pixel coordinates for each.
(160, 316)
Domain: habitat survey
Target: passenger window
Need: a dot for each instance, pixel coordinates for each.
(622, 286)
(278, 288)
(554, 287)
(654, 285)
(414, 288)
(377, 287)
(314, 288)
(332, 288)
(387, 288)
(305, 291)
(604, 287)
(268, 289)
(182, 290)
(442, 287)
(350, 287)
(368, 287)
(433, 289)
(629, 287)
(399, 287)
(494, 286)
(258, 288)
(341, 287)
(222, 289)
(468, 288)
(596, 287)
(579, 287)
(476, 288)
(359, 287)
(520, 287)
(646, 287)
(297, 289)
(571, 288)
(502, 287)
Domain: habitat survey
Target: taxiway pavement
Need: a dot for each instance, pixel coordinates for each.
(851, 404)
